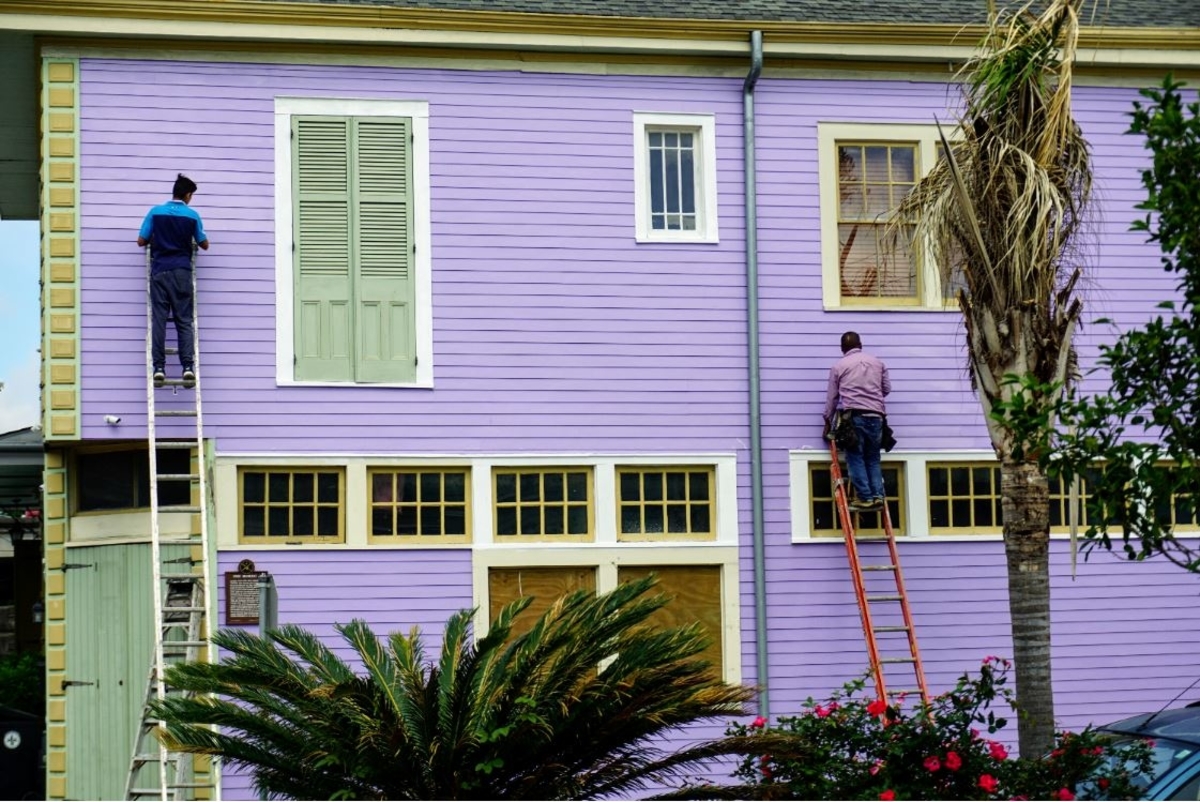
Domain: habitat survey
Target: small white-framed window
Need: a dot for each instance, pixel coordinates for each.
(675, 177)
(864, 171)
(352, 242)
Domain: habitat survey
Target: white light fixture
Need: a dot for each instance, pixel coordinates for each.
(112, 420)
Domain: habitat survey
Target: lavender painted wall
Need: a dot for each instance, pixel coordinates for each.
(555, 332)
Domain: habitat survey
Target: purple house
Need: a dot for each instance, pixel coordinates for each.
(537, 298)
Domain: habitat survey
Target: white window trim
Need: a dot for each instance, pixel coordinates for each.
(285, 336)
(828, 134)
(704, 126)
(916, 486)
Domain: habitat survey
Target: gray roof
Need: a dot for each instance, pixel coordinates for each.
(1115, 13)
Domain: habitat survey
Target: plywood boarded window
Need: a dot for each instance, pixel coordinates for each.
(964, 498)
(419, 506)
(665, 503)
(353, 225)
(824, 511)
(545, 584)
(291, 505)
(872, 179)
(543, 503)
(696, 592)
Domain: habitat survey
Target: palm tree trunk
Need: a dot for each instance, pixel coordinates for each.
(1025, 500)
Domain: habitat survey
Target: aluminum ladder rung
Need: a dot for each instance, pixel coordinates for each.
(179, 508)
(879, 568)
(886, 597)
(168, 444)
(891, 629)
(175, 413)
(177, 477)
(898, 660)
(177, 383)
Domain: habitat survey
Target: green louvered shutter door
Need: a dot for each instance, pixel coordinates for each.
(324, 309)
(386, 337)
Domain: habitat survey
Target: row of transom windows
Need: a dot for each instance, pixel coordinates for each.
(963, 498)
(427, 505)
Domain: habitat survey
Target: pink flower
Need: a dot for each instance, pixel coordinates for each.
(875, 769)
(953, 761)
(889, 795)
(877, 708)
(759, 723)
(822, 712)
(1102, 783)
(997, 750)
(932, 763)
(1064, 794)
(974, 734)
(988, 783)
(991, 658)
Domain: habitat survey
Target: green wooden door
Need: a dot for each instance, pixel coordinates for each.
(110, 640)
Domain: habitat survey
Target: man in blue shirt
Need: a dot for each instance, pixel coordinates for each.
(170, 229)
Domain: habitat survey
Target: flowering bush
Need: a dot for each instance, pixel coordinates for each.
(856, 747)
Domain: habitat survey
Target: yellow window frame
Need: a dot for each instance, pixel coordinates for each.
(653, 515)
(271, 502)
(972, 508)
(822, 507)
(551, 509)
(431, 512)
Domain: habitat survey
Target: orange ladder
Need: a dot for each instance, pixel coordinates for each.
(867, 598)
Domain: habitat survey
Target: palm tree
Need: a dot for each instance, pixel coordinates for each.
(570, 709)
(1002, 216)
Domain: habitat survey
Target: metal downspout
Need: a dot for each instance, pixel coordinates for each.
(756, 480)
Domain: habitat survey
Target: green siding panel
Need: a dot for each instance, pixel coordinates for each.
(110, 642)
(354, 249)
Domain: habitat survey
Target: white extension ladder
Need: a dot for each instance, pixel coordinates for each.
(181, 593)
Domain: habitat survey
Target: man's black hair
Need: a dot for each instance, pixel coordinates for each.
(183, 187)
(850, 341)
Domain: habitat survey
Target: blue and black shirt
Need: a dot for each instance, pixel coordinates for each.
(170, 228)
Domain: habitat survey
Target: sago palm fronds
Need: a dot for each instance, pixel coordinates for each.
(573, 708)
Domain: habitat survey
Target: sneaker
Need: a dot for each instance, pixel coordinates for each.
(877, 503)
(862, 505)
(189, 378)
(160, 378)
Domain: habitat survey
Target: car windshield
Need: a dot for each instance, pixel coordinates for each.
(1165, 755)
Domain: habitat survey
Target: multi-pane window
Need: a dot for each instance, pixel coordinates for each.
(672, 174)
(824, 506)
(872, 179)
(410, 505)
(964, 498)
(657, 503)
(543, 503)
(675, 173)
(291, 505)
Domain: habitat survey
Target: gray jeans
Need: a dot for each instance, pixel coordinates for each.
(171, 293)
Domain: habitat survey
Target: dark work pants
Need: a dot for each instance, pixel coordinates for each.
(866, 474)
(171, 293)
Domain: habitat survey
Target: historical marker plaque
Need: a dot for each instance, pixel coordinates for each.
(241, 594)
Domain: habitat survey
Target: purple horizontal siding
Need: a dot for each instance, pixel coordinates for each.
(555, 332)
(550, 321)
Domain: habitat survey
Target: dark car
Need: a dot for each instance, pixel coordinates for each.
(1175, 739)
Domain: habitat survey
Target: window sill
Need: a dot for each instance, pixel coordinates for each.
(877, 307)
(389, 385)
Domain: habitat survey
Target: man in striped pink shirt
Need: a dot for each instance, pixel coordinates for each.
(858, 383)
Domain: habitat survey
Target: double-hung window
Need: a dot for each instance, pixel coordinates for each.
(675, 168)
(352, 276)
(865, 171)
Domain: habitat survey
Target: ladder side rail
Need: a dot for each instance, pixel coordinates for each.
(203, 628)
(905, 608)
(856, 572)
(160, 690)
